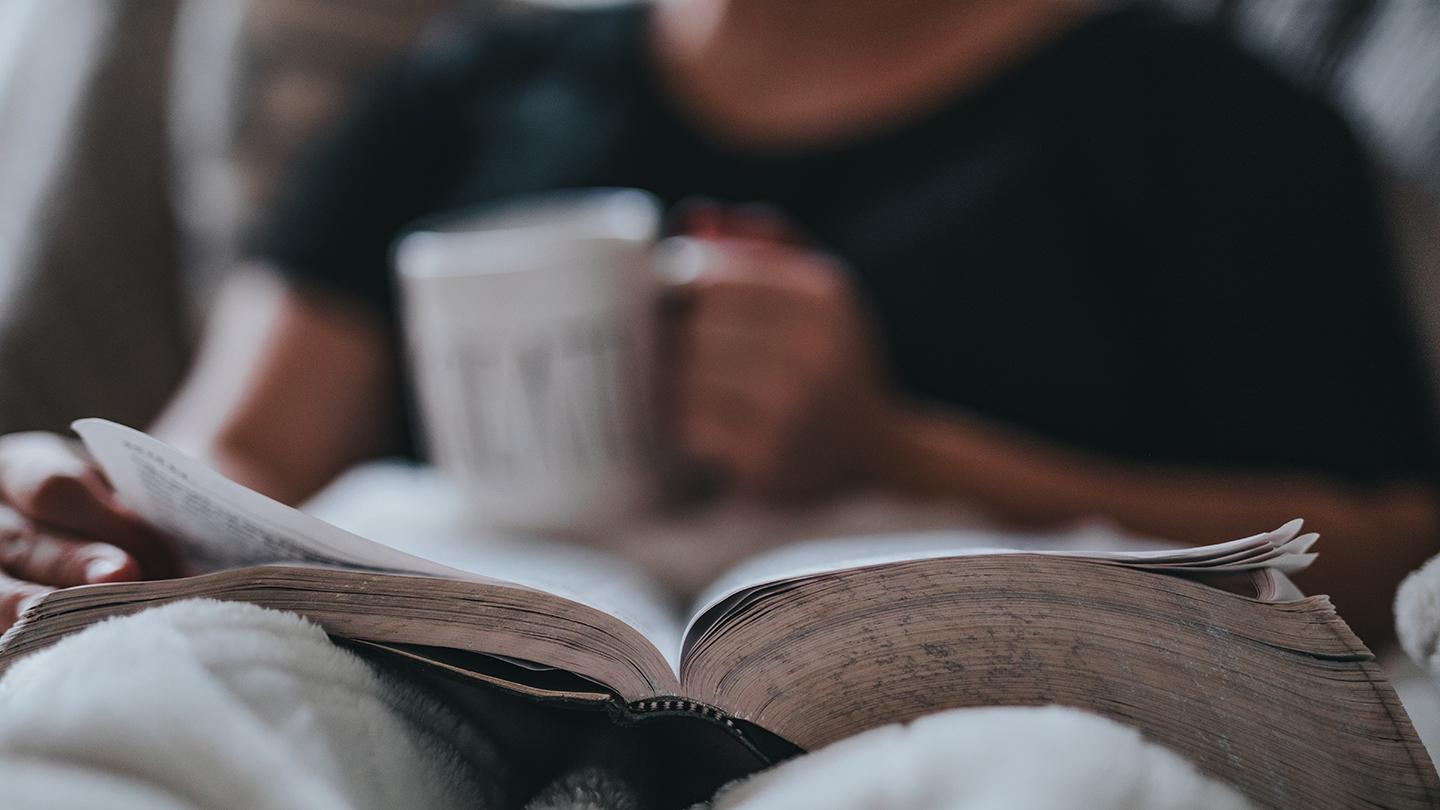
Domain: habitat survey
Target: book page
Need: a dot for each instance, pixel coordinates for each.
(590, 577)
(220, 524)
(418, 509)
(1285, 549)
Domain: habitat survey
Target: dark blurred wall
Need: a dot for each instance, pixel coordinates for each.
(151, 177)
(88, 321)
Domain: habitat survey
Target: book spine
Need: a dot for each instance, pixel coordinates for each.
(684, 706)
(768, 747)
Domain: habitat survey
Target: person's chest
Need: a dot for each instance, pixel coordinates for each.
(973, 244)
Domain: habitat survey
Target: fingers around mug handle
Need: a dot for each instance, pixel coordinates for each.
(761, 222)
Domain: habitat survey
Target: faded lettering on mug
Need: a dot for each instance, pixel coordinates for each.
(567, 401)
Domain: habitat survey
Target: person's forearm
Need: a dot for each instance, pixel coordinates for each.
(1370, 537)
(289, 389)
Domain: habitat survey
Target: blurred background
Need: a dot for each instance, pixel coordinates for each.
(139, 137)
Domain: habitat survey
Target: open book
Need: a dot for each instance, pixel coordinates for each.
(1209, 650)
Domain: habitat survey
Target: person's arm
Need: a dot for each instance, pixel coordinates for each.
(290, 388)
(779, 384)
(1371, 537)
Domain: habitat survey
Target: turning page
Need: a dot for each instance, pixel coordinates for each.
(220, 524)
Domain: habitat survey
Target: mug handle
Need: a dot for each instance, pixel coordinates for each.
(682, 259)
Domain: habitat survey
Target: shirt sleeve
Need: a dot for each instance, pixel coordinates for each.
(1275, 311)
(387, 161)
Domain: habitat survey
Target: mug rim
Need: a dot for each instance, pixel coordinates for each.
(509, 228)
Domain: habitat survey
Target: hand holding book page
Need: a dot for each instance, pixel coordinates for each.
(222, 525)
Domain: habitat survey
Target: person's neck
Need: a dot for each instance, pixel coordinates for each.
(804, 28)
(795, 71)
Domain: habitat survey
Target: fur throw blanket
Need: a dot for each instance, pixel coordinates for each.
(223, 705)
(1417, 615)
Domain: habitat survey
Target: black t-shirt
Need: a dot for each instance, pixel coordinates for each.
(1136, 240)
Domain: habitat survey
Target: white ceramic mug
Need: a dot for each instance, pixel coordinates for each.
(531, 330)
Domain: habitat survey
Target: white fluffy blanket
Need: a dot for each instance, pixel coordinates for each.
(1417, 615)
(204, 704)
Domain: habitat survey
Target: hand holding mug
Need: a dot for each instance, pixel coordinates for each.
(775, 375)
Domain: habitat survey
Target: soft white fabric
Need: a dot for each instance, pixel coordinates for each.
(1417, 625)
(220, 705)
(1002, 758)
(1417, 615)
